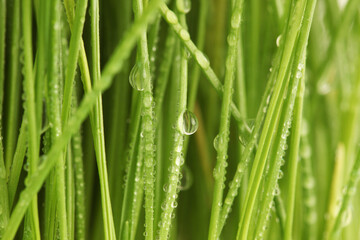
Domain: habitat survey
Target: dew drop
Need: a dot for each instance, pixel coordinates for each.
(202, 60)
(298, 74)
(188, 123)
(346, 217)
(136, 78)
(184, 6)
(323, 88)
(179, 161)
(281, 174)
(184, 35)
(165, 188)
(218, 142)
(147, 100)
(309, 182)
(312, 217)
(171, 17)
(187, 179)
(174, 204)
(235, 19)
(231, 39)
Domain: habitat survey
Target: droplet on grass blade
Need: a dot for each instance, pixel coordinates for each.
(188, 123)
(231, 39)
(136, 78)
(346, 217)
(187, 178)
(235, 19)
(218, 141)
(184, 6)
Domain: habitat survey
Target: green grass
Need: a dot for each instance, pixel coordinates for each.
(182, 119)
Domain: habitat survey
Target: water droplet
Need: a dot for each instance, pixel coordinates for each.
(301, 66)
(281, 174)
(235, 19)
(184, 6)
(276, 191)
(171, 17)
(188, 123)
(174, 204)
(136, 78)
(202, 60)
(310, 201)
(278, 40)
(165, 187)
(311, 217)
(179, 161)
(231, 39)
(184, 35)
(298, 74)
(309, 182)
(148, 99)
(218, 142)
(306, 151)
(187, 179)
(323, 88)
(346, 217)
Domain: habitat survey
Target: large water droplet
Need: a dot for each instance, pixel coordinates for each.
(184, 6)
(136, 78)
(188, 123)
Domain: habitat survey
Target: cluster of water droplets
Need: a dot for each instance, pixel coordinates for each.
(174, 183)
(79, 184)
(308, 182)
(138, 182)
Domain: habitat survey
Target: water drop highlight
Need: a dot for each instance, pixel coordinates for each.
(188, 123)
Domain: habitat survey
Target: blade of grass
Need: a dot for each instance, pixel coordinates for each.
(17, 162)
(14, 88)
(108, 221)
(30, 108)
(77, 155)
(53, 103)
(200, 58)
(177, 155)
(222, 139)
(134, 132)
(270, 120)
(350, 191)
(4, 200)
(293, 159)
(148, 126)
(113, 66)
